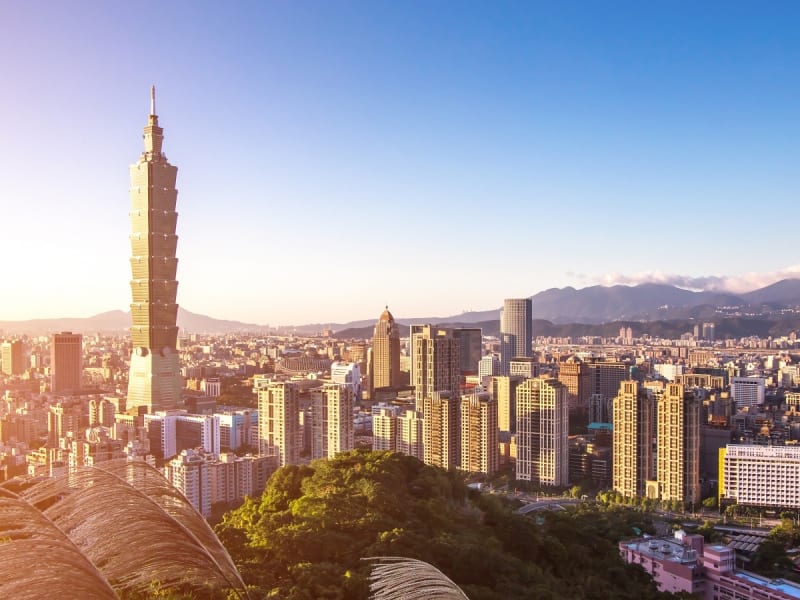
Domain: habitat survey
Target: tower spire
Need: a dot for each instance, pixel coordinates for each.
(153, 100)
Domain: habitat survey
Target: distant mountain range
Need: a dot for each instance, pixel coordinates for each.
(118, 321)
(595, 305)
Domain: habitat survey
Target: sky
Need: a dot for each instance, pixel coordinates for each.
(437, 157)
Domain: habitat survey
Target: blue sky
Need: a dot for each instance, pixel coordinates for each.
(436, 156)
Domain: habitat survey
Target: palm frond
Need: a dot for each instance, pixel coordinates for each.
(130, 522)
(39, 561)
(400, 578)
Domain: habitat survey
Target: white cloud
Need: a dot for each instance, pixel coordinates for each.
(737, 284)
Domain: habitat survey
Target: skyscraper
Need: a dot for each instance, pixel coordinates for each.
(155, 380)
(678, 445)
(332, 420)
(12, 357)
(386, 353)
(516, 331)
(66, 362)
(279, 422)
(542, 432)
(441, 429)
(479, 449)
(634, 419)
(437, 362)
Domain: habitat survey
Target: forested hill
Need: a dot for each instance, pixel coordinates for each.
(304, 538)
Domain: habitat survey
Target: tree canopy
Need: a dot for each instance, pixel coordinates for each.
(306, 536)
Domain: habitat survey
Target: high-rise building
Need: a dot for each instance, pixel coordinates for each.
(748, 391)
(386, 353)
(384, 427)
(471, 348)
(504, 392)
(66, 362)
(516, 331)
(479, 448)
(678, 445)
(410, 434)
(606, 376)
(332, 420)
(437, 362)
(542, 432)
(441, 430)
(11, 355)
(489, 366)
(279, 422)
(574, 373)
(763, 476)
(634, 427)
(155, 381)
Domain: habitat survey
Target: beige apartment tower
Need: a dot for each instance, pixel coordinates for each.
(542, 432)
(279, 422)
(386, 353)
(441, 430)
(436, 362)
(155, 380)
(332, 420)
(633, 420)
(479, 448)
(678, 446)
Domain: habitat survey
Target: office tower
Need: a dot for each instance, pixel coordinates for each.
(385, 353)
(11, 355)
(489, 366)
(526, 367)
(441, 430)
(410, 434)
(633, 420)
(504, 392)
(66, 362)
(279, 422)
(155, 380)
(437, 362)
(708, 332)
(574, 373)
(762, 476)
(479, 449)
(542, 430)
(678, 445)
(331, 420)
(470, 349)
(516, 331)
(748, 392)
(606, 377)
(384, 427)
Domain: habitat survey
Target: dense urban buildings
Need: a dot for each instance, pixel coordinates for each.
(155, 381)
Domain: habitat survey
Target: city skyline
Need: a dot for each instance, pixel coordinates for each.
(303, 127)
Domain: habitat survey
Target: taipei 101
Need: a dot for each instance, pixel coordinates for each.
(400, 301)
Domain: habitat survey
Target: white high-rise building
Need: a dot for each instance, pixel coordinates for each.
(410, 434)
(764, 476)
(384, 427)
(748, 391)
(542, 430)
(332, 420)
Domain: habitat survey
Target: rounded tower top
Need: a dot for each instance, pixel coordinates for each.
(386, 316)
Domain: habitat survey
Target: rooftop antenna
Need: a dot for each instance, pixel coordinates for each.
(152, 100)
